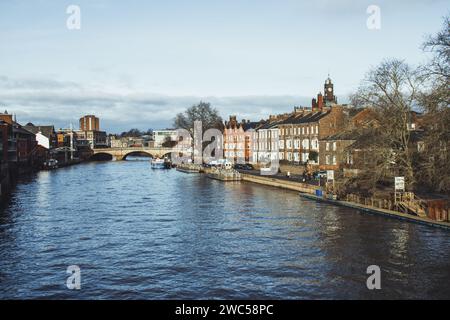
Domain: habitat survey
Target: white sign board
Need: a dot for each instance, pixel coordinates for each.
(330, 175)
(42, 140)
(399, 183)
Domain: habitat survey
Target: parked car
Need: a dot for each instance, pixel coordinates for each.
(320, 174)
(240, 166)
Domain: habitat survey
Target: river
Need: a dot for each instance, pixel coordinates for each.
(138, 233)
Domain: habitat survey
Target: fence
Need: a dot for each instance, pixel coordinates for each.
(404, 204)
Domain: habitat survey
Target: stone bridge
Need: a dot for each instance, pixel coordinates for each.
(121, 153)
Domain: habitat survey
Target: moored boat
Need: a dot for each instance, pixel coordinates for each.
(50, 164)
(158, 163)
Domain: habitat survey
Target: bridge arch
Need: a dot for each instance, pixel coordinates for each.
(167, 154)
(138, 153)
(101, 156)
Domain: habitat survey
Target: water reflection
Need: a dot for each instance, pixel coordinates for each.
(153, 234)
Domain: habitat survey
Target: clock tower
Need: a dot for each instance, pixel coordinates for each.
(329, 96)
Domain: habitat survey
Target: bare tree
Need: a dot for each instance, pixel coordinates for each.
(434, 171)
(169, 143)
(201, 112)
(439, 45)
(391, 89)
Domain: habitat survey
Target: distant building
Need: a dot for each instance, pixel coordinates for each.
(301, 132)
(115, 141)
(92, 139)
(161, 136)
(18, 145)
(45, 135)
(237, 139)
(66, 138)
(8, 145)
(324, 100)
(266, 140)
(90, 134)
(89, 123)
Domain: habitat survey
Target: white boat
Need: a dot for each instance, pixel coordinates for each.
(158, 163)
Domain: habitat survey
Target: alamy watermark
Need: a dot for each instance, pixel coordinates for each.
(191, 149)
(374, 280)
(374, 20)
(73, 282)
(73, 22)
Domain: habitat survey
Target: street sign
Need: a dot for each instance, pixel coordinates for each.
(330, 175)
(399, 183)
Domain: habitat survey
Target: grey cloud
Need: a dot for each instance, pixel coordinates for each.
(61, 103)
(35, 84)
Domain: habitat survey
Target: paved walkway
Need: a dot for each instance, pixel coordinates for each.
(282, 176)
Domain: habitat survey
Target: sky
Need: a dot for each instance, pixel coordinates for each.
(137, 63)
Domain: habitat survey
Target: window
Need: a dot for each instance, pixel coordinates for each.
(327, 159)
(289, 144)
(334, 159)
(334, 146)
(327, 146)
(305, 144)
(315, 144)
(303, 130)
(349, 158)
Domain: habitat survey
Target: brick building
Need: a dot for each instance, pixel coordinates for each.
(294, 137)
(48, 131)
(89, 134)
(237, 139)
(89, 123)
(18, 145)
(301, 132)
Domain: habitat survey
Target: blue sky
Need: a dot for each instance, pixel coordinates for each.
(137, 63)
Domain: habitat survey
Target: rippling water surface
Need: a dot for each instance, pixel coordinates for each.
(138, 233)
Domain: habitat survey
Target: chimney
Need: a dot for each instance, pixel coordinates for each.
(314, 104)
(320, 101)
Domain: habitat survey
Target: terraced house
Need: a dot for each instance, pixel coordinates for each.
(266, 139)
(237, 140)
(301, 132)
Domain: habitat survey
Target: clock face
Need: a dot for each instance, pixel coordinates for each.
(329, 89)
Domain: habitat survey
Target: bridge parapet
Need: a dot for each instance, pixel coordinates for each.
(121, 153)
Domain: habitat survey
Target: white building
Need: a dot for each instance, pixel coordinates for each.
(266, 141)
(160, 136)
